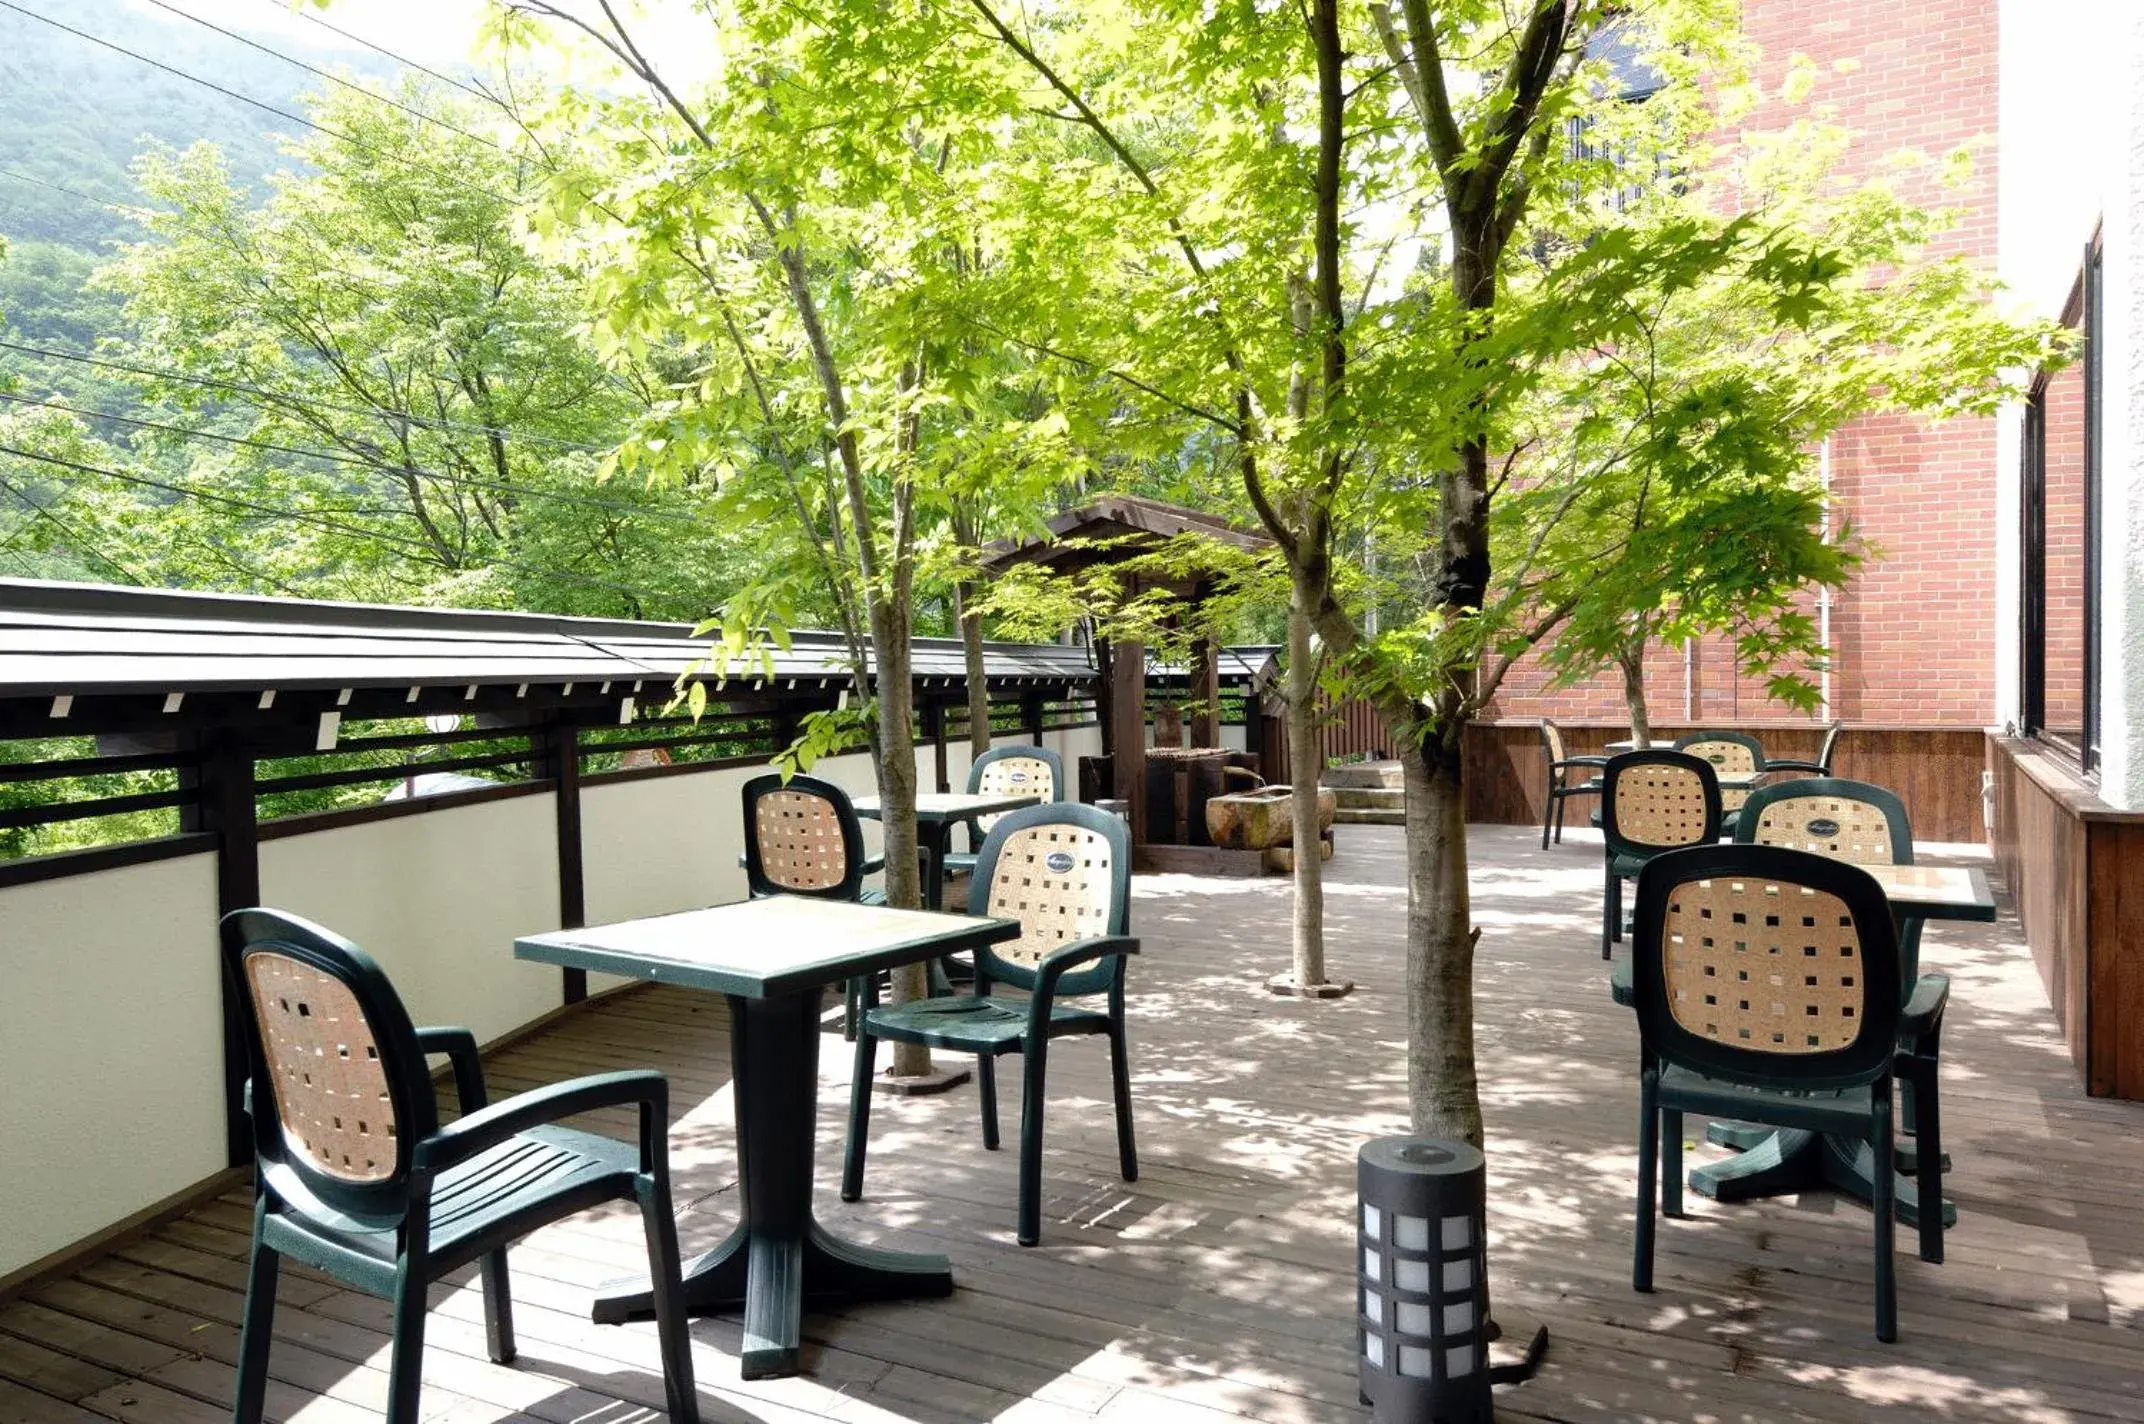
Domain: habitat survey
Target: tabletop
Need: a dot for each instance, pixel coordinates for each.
(1937, 892)
(763, 948)
(953, 806)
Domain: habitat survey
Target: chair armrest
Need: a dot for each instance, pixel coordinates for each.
(873, 864)
(1057, 962)
(459, 1046)
(1578, 761)
(1809, 766)
(1923, 1014)
(465, 1137)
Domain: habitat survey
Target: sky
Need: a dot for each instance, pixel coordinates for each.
(440, 34)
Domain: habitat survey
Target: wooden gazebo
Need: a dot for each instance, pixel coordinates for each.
(1116, 530)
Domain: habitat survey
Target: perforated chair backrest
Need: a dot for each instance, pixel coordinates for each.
(1657, 800)
(1729, 753)
(1766, 966)
(1552, 742)
(1845, 820)
(1064, 872)
(802, 837)
(1020, 770)
(340, 1095)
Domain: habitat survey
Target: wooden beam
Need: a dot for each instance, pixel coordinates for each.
(557, 755)
(1206, 693)
(1127, 724)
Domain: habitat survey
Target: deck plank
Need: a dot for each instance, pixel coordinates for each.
(1220, 1286)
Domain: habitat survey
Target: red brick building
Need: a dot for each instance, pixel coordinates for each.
(1914, 634)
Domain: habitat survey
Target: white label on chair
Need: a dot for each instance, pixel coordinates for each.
(1060, 862)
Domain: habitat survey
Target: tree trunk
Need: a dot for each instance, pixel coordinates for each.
(1304, 765)
(897, 800)
(971, 646)
(1632, 660)
(1442, 1088)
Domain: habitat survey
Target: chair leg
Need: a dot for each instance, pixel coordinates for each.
(852, 1156)
(1120, 1074)
(1548, 812)
(1884, 1203)
(1029, 1224)
(1607, 912)
(498, 1308)
(1561, 803)
(1670, 1163)
(852, 997)
(259, 1326)
(1641, 1268)
(986, 1092)
(1928, 1116)
(405, 1370)
(681, 1395)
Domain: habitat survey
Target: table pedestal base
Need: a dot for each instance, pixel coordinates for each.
(773, 1280)
(780, 1259)
(1775, 1162)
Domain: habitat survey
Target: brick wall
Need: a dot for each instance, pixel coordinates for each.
(1913, 635)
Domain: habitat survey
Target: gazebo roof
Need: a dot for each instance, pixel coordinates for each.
(1078, 537)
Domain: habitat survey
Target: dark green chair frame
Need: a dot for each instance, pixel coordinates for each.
(1822, 765)
(454, 1194)
(1721, 1079)
(964, 862)
(987, 1027)
(1626, 854)
(1756, 751)
(1560, 789)
(1920, 1022)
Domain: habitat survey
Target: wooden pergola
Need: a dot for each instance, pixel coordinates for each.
(1114, 531)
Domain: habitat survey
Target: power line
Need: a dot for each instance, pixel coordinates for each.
(119, 208)
(329, 75)
(76, 541)
(284, 8)
(260, 104)
(311, 402)
(374, 466)
(368, 535)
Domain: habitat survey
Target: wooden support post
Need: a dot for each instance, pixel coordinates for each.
(934, 727)
(1104, 695)
(1031, 716)
(1206, 693)
(557, 750)
(1127, 723)
(224, 778)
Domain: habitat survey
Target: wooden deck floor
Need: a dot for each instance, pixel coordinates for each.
(1220, 1286)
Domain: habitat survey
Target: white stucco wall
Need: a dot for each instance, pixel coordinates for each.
(438, 899)
(2070, 155)
(111, 1050)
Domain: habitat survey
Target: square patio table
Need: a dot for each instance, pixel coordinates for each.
(771, 958)
(936, 816)
(1774, 1161)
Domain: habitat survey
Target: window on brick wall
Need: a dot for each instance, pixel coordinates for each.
(2061, 576)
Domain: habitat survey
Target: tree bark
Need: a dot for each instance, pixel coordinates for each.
(1304, 765)
(971, 647)
(1632, 660)
(1443, 1089)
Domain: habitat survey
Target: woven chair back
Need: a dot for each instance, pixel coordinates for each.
(1015, 775)
(1765, 963)
(1729, 752)
(340, 1094)
(1863, 825)
(324, 1066)
(1659, 800)
(801, 845)
(1552, 741)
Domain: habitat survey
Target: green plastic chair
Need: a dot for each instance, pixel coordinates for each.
(802, 836)
(1651, 801)
(1867, 825)
(1822, 765)
(357, 1178)
(1728, 752)
(1560, 787)
(1766, 984)
(1063, 872)
(1021, 769)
